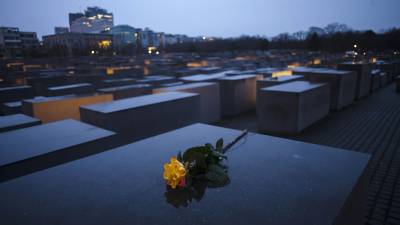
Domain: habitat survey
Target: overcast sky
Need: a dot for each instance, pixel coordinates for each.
(222, 18)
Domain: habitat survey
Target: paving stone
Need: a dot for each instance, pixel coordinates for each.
(370, 125)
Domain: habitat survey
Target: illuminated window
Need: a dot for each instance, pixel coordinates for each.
(197, 64)
(146, 71)
(317, 61)
(150, 50)
(105, 44)
(294, 65)
(282, 73)
(110, 71)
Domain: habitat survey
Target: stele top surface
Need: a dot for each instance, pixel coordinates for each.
(130, 103)
(205, 77)
(294, 87)
(188, 86)
(30, 142)
(15, 120)
(272, 181)
(125, 87)
(15, 88)
(69, 86)
(282, 78)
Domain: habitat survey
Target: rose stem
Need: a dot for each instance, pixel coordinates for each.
(228, 146)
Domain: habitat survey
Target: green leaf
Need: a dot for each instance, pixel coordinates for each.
(188, 155)
(211, 159)
(215, 157)
(195, 150)
(209, 146)
(220, 144)
(196, 157)
(218, 156)
(179, 157)
(217, 176)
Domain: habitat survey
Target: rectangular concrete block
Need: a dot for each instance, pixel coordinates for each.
(389, 68)
(17, 121)
(271, 81)
(31, 142)
(375, 80)
(210, 109)
(17, 93)
(363, 71)
(342, 84)
(49, 109)
(35, 148)
(128, 91)
(82, 88)
(241, 72)
(117, 82)
(156, 80)
(166, 85)
(144, 116)
(397, 68)
(238, 94)
(273, 72)
(9, 108)
(42, 82)
(273, 181)
(206, 77)
(291, 107)
(383, 79)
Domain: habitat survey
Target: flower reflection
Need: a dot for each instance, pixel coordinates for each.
(183, 196)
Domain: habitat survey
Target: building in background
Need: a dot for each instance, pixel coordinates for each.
(185, 39)
(78, 42)
(74, 16)
(150, 39)
(29, 40)
(61, 30)
(90, 32)
(124, 35)
(145, 38)
(170, 39)
(13, 42)
(10, 44)
(94, 20)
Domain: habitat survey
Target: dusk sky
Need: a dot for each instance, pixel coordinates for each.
(222, 18)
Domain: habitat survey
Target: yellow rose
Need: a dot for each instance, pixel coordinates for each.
(174, 173)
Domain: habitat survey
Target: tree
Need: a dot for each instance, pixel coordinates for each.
(283, 37)
(333, 28)
(300, 35)
(314, 42)
(317, 30)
